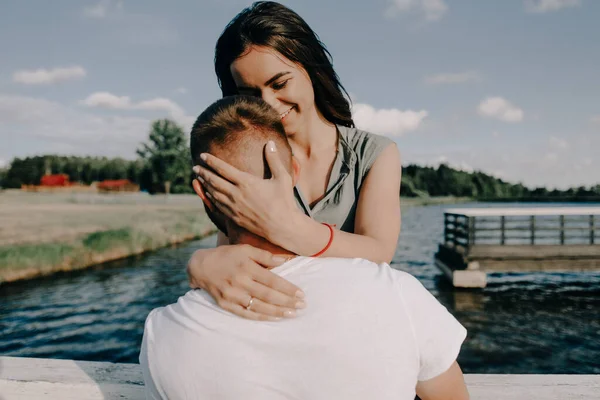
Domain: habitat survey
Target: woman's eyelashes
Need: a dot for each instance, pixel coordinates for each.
(280, 85)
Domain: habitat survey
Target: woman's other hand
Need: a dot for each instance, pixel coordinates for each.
(236, 274)
(259, 205)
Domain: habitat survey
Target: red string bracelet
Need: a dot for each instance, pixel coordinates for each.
(328, 243)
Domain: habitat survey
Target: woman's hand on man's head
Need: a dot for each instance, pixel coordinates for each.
(256, 204)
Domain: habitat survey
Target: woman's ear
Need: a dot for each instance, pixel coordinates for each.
(295, 170)
(200, 192)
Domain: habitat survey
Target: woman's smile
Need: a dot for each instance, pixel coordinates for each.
(285, 113)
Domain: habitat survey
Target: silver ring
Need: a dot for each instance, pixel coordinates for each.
(250, 303)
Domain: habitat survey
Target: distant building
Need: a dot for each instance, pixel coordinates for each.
(57, 180)
(118, 185)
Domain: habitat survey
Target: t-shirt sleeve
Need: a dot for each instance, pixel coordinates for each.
(145, 358)
(438, 334)
(368, 149)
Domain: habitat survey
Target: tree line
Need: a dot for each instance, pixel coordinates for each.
(419, 181)
(164, 165)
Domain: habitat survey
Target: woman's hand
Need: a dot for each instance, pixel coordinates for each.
(236, 274)
(256, 204)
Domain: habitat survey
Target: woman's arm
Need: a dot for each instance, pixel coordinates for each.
(377, 221)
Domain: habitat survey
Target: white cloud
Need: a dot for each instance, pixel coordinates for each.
(460, 165)
(391, 122)
(68, 129)
(544, 6)
(595, 119)
(110, 101)
(102, 9)
(558, 143)
(181, 90)
(48, 76)
(453, 78)
(3, 163)
(432, 10)
(573, 166)
(500, 108)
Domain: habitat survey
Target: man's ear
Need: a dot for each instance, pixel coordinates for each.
(295, 170)
(200, 192)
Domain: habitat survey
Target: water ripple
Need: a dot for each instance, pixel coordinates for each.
(520, 323)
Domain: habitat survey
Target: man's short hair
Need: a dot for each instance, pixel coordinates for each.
(236, 129)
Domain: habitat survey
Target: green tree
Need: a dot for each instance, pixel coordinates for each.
(167, 157)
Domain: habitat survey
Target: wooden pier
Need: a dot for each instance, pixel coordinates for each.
(36, 378)
(478, 241)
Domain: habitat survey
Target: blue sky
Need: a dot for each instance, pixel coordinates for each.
(510, 87)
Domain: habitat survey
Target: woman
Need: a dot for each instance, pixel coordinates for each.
(349, 184)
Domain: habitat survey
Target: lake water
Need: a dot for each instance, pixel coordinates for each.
(520, 323)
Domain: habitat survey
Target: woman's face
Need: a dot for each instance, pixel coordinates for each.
(284, 85)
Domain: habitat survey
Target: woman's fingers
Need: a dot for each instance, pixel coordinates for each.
(277, 283)
(200, 191)
(260, 307)
(250, 301)
(276, 166)
(268, 278)
(213, 183)
(227, 171)
(265, 258)
(244, 313)
(270, 299)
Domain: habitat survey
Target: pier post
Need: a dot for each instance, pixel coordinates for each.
(562, 229)
(471, 232)
(592, 227)
(502, 230)
(532, 228)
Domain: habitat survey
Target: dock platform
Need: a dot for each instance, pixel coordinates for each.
(478, 241)
(36, 378)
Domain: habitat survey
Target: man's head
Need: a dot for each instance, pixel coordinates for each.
(236, 130)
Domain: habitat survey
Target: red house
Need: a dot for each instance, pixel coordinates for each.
(55, 180)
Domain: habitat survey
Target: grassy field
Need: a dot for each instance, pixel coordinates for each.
(42, 233)
(45, 233)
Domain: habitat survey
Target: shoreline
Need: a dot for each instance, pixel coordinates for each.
(50, 233)
(45, 233)
(88, 259)
(431, 201)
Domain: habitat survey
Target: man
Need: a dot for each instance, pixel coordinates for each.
(368, 331)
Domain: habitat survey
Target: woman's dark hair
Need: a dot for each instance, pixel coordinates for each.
(270, 24)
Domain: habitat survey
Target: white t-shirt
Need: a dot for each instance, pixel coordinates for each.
(368, 332)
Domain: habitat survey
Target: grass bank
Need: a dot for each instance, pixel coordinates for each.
(42, 233)
(46, 233)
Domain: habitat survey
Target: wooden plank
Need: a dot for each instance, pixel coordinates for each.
(525, 265)
(538, 387)
(525, 211)
(34, 378)
(541, 252)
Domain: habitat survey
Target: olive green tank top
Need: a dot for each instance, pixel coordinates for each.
(356, 153)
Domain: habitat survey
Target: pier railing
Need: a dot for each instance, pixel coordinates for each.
(536, 228)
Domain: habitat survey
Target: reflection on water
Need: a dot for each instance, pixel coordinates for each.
(520, 323)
